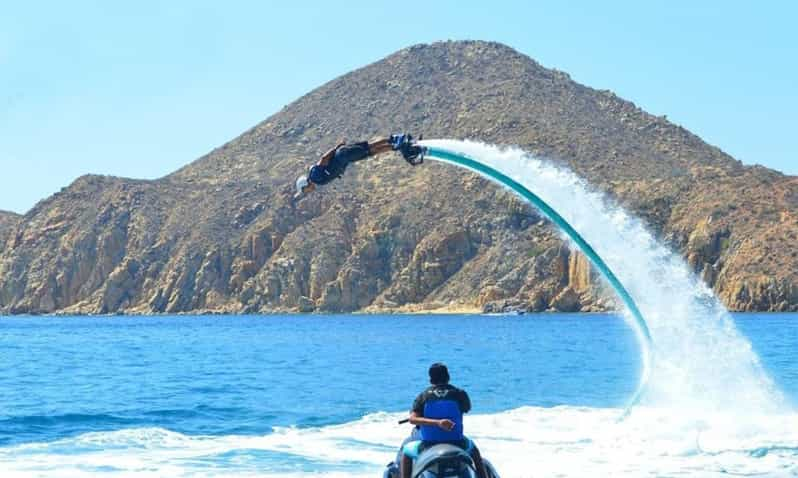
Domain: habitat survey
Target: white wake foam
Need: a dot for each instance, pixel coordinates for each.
(526, 442)
(700, 361)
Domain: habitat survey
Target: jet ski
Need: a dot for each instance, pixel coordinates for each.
(441, 460)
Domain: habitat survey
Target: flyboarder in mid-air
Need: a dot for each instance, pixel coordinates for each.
(334, 162)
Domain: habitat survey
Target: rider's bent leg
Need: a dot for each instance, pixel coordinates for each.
(406, 467)
(482, 472)
(380, 146)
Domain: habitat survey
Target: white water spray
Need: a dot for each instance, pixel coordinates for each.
(701, 361)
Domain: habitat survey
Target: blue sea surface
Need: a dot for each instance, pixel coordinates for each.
(244, 375)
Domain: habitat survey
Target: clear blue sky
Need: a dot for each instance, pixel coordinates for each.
(141, 88)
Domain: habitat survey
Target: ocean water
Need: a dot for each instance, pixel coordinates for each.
(320, 396)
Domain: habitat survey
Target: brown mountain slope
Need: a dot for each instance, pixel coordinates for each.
(222, 235)
(8, 221)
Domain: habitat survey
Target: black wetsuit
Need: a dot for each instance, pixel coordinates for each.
(341, 158)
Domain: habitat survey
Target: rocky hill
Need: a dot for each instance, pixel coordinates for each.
(222, 235)
(8, 221)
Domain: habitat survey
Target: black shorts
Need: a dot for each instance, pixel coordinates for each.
(352, 152)
(340, 160)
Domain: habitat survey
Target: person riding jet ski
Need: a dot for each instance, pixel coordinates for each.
(334, 162)
(438, 415)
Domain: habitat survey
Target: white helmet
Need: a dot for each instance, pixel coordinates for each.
(301, 183)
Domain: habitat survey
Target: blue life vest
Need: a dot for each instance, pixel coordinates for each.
(438, 410)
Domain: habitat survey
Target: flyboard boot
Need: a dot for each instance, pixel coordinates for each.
(408, 147)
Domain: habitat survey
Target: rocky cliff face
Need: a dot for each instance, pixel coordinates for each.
(8, 221)
(222, 235)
